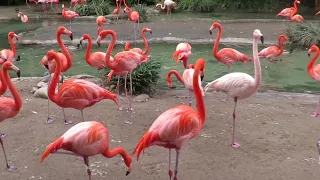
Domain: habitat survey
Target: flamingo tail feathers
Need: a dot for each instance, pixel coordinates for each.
(145, 142)
(56, 145)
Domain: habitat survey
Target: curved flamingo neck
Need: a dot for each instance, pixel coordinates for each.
(313, 60)
(3, 85)
(88, 52)
(114, 64)
(280, 42)
(295, 10)
(256, 61)
(197, 91)
(146, 51)
(118, 151)
(13, 46)
(176, 73)
(118, 6)
(99, 30)
(127, 46)
(162, 7)
(54, 81)
(13, 90)
(64, 49)
(125, 4)
(216, 44)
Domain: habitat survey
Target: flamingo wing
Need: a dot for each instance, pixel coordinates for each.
(171, 129)
(97, 60)
(237, 84)
(188, 79)
(129, 60)
(268, 52)
(6, 108)
(315, 72)
(230, 56)
(285, 12)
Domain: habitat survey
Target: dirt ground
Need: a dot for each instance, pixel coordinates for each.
(277, 136)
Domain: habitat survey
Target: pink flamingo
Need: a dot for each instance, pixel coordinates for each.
(100, 21)
(69, 15)
(186, 79)
(293, 16)
(314, 72)
(66, 62)
(96, 59)
(240, 85)
(182, 53)
(73, 2)
(138, 50)
(9, 108)
(272, 52)
(24, 18)
(167, 4)
(134, 17)
(116, 11)
(75, 93)
(176, 126)
(87, 139)
(227, 56)
(125, 61)
(10, 54)
(318, 13)
(287, 11)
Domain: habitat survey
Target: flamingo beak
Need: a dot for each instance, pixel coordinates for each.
(262, 39)
(98, 43)
(71, 36)
(150, 32)
(18, 58)
(308, 54)
(127, 173)
(18, 73)
(201, 77)
(46, 66)
(210, 31)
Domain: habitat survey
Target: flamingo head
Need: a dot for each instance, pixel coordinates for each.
(313, 48)
(62, 6)
(284, 38)
(128, 162)
(10, 66)
(20, 14)
(213, 26)
(84, 37)
(13, 35)
(257, 34)
(190, 66)
(64, 30)
(126, 9)
(44, 62)
(297, 1)
(147, 30)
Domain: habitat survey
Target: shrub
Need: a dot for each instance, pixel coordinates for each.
(143, 12)
(93, 7)
(144, 78)
(303, 34)
(197, 5)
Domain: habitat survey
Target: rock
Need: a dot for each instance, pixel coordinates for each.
(83, 76)
(141, 98)
(42, 84)
(46, 78)
(34, 89)
(41, 93)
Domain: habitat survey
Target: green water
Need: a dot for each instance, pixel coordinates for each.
(288, 75)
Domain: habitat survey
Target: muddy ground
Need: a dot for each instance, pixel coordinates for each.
(277, 136)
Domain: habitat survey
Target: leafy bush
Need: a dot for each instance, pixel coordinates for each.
(144, 78)
(93, 7)
(197, 5)
(303, 34)
(143, 12)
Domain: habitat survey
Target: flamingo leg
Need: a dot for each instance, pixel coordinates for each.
(118, 90)
(234, 144)
(28, 4)
(135, 32)
(9, 168)
(66, 122)
(189, 95)
(176, 169)
(49, 120)
(170, 172)
(102, 77)
(317, 110)
(82, 115)
(125, 89)
(130, 104)
(86, 161)
(70, 25)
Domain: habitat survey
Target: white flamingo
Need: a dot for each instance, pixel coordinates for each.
(167, 4)
(239, 85)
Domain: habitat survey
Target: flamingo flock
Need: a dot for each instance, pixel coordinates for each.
(175, 127)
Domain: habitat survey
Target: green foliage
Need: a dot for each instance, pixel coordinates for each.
(210, 5)
(144, 78)
(93, 7)
(303, 34)
(143, 12)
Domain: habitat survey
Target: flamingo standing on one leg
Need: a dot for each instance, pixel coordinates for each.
(293, 16)
(100, 21)
(134, 17)
(69, 15)
(9, 108)
(24, 18)
(169, 5)
(10, 54)
(96, 59)
(182, 53)
(186, 79)
(176, 126)
(125, 61)
(87, 139)
(240, 85)
(314, 72)
(271, 52)
(287, 11)
(227, 56)
(66, 61)
(75, 93)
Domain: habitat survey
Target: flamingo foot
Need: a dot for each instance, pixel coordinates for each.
(49, 121)
(225, 100)
(130, 109)
(2, 135)
(315, 114)
(170, 174)
(66, 122)
(235, 144)
(128, 122)
(120, 108)
(11, 168)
